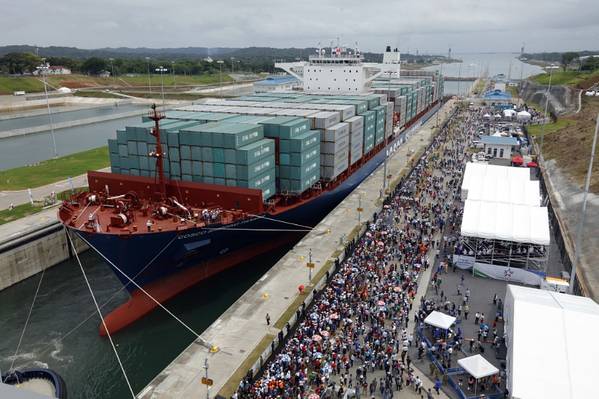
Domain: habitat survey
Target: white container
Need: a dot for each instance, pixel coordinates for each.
(356, 123)
(335, 132)
(328, 147)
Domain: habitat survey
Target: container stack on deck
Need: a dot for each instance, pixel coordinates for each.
(277, 142)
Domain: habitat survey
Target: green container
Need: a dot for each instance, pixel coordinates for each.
(219, 170)
(196, 168)
(173, 154)
(173, 139)
(114, 160)
(294, 128)
(113, 146)
(272, 126)
(230, 155)
(175, 168)
(131, 147)
(303, 141)
(185, 152)
(186, 167)
(248, 172)
(207, 154)
(251, 153)
(142, 148)
(123, 150)
(219, 180)
(196, 153)
(262, 180)
(218, 155)
(121, 136)
(208, 168)
(299, 172)
(144, 163)
(208, 180)
(230, 171)
(185, 177)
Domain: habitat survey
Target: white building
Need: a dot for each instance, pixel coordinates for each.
(55, 70)
(276, 83)
(498, 146)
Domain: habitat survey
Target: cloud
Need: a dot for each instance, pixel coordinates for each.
(427, 25)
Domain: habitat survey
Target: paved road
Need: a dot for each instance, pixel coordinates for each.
(39, 193)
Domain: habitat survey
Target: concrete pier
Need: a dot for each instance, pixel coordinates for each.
(240, 338)
(32, 244)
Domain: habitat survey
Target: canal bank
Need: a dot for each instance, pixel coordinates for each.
(240, 340)
(32, 244)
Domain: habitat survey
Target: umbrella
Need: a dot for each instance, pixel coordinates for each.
(517, 160)
(324, 333)
(532, 164)
(397, 289)
(314, 396)
(316, 338)
(334, 316)
(381, 303)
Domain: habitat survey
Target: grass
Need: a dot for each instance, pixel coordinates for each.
(232, 383)
(10, 84)
(480, 86)
(53, 170)
(535, 130)
(572, 78)
(96, 94)
(31, 84)
(18, 212)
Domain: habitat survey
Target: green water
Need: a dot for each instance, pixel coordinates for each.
(84, 359)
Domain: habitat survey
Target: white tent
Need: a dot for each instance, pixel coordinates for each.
(486, 116)
(513, 191)
(551, 353)
(440, 320)
(506, 222)
(524, 116)
(477, 366)
(476, 173)
(64, 90)
(509, 113)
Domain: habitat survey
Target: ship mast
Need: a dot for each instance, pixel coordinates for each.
(156, 116)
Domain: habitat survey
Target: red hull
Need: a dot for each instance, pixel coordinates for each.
(140, 304)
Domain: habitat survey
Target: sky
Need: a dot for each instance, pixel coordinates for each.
(431, 26)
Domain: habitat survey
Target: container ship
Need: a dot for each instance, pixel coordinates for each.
(201, 188)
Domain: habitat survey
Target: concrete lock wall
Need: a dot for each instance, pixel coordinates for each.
(27, 256)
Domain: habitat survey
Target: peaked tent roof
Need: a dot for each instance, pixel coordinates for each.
(477, 366)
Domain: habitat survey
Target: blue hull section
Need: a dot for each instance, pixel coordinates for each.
(150, 257)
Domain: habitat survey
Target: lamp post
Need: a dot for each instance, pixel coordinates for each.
(43, 70)
(161, 69)
(149, 76)
(220, 77)
(112, 66)
(174, 76)
(551, 68)
(580, 226)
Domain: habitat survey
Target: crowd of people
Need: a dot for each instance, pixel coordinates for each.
(354, 340)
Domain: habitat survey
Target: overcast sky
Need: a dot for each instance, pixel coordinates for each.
(426, 25)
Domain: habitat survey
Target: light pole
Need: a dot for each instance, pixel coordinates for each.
(43, 69)
(459, 77)
(551, 68)
(220, 78)
(149, 78)
(174, 76)
(161, 69)
(112, 67)
(583, 212)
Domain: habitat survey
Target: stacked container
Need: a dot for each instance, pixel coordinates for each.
(298, 166)
(356, 138)
(232, 154)
(369, 130)
(334, 150)
(380, 124)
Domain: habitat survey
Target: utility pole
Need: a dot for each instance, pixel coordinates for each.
(112, 67)
(149, 75)
(174, 76)
(310, 266)
(207, 379)
(43, 69)
(220, 77)
(580, 227)
(162, 69)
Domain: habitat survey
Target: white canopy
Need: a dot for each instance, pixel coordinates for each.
(508, 113)
(477, 173)
(477, 366)
(486, 116)
(524, 116)
(512, 191)
(551, 351)
(505, 221)
(440, 320)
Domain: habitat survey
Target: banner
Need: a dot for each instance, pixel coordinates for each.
(496, 272)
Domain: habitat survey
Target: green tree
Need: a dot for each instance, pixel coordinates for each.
(93, 65)
(20, 63)
(567, 58)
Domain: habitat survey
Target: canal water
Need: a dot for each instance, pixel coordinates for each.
(67, 116)
(56, 338)
(83, 358)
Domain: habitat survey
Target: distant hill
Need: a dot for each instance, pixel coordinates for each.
(185, 53)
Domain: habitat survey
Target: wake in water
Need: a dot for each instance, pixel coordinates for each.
(58, 346)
